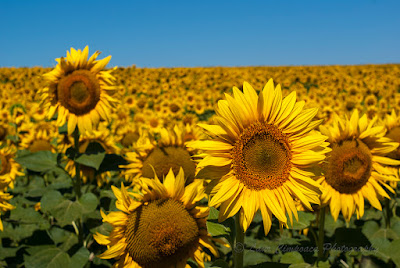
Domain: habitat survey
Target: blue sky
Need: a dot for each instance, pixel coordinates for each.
(202, 33)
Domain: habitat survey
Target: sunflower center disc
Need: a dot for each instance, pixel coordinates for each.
(40, 145)
(165, 158)
(161, 233)
(4, 165)
(394, 134)
(79, 92)
(261, 157)
(129, 138)
(349, 166)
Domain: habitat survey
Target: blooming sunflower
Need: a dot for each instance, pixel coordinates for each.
(168, 152)
(356, 169)
(4, 205)
(9, 169)
(99, 137)
(163, 228)
(39, 137)
(258, 155)
(78, 89)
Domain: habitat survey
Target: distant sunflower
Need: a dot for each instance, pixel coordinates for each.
(78, 89)
(258, 155)
(9, 169)
(168, 152)
(4, 205)
(163, 228)
(40, 139)
(355, 168)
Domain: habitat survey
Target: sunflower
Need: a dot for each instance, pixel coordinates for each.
(164, 227)
(355, 168)
(40, 137)
(78, 89)
(101, 138)
(258, 155)
(168, 152)
(9, 169)
(4, 205)
(392, 124)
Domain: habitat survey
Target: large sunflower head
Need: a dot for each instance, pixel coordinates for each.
(79, 90)
(356, 167)
(4, 205)
(168, 152)
(259, 153)
(163, 227)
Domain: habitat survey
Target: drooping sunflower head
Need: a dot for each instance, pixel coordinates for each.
(259, 154)
(158, 157)
(79, 90)
(356, 166)
(164, 227)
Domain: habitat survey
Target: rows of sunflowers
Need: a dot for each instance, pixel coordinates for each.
(199, 167)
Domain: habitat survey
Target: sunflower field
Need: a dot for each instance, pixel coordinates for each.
(199, 167)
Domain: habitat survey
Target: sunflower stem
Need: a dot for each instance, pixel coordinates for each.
(321, 234)
(77, 166)
(238, 249)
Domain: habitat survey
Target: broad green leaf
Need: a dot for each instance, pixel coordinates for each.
(80, 258)
(88, 202)
(47, 258)
(253, 257)
(305, 219)
(220, 264)
(8, 252)
(66, 212)
(216, 229)
(292, 257)
(91, 160)
(42, 161)
(50, 200)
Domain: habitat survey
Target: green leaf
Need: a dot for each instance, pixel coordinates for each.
(370, 228)
(47, 257)
(88, 202)
(50, 200)
(42, 161)
(36, 187)
(65, 238)
(216, 229)
(393, 251)
(292, 257)
(220, 264)
(8, 252)
(253, 257)
(213, 214)
(304, 221)
(65, 211)
(91, 160)
(80, 258)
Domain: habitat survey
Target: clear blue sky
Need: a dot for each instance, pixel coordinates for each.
(202, 33)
